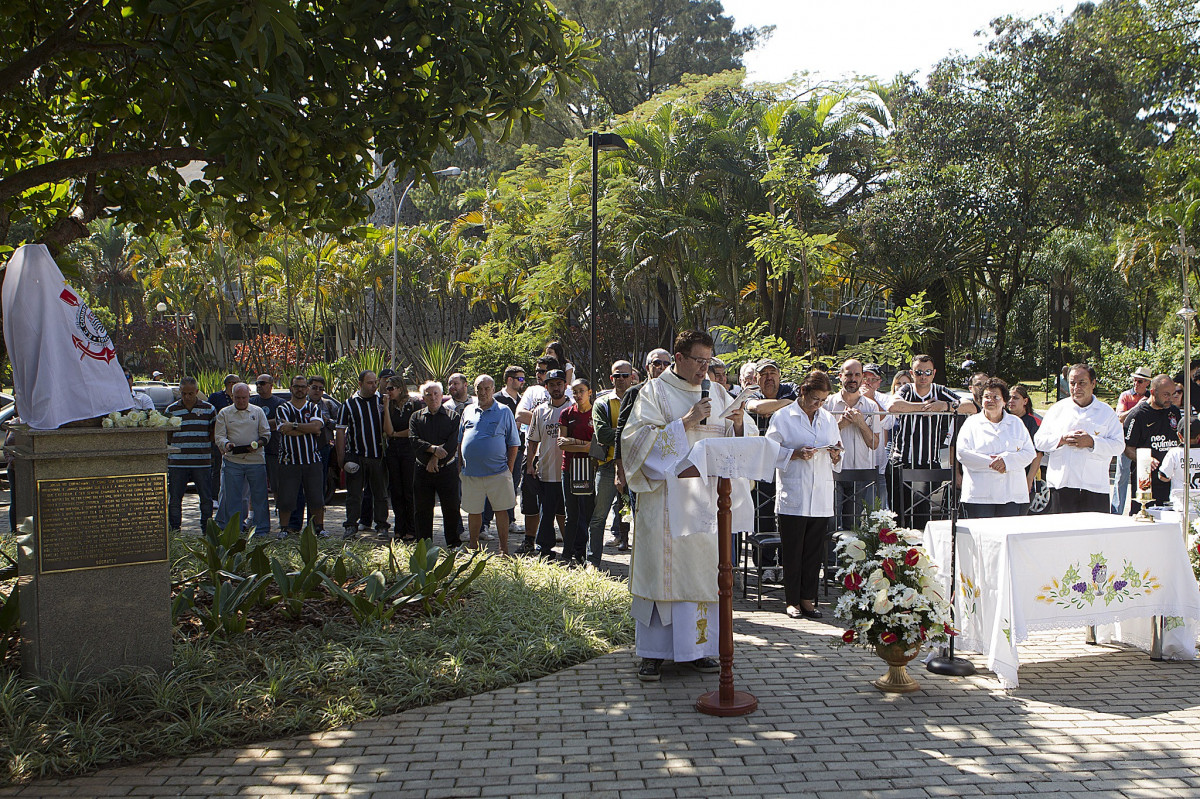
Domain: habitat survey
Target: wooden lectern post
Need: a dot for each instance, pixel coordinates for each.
(725, 701)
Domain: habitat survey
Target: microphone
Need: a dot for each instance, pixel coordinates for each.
(705, 385)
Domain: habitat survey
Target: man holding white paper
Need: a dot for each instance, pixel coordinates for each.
(673, 579)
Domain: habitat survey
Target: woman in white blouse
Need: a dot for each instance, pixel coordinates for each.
(804, 490)
(994, 448)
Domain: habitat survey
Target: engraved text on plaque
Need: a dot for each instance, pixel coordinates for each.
(96, 522)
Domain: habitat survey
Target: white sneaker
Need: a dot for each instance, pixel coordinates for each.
(486, 535)
(516, 527)
(364, 528)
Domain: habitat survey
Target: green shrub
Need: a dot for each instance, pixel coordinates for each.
(751, 344)
(1117, 361)
(496, 346)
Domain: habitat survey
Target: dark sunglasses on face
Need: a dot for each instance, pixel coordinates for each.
(923, 372)
(661, 363)
(262, 383)
(622, 375)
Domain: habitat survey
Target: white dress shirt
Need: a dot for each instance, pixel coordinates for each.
(859, 454)
(805, 487)
(1075, 467)
(978, 441)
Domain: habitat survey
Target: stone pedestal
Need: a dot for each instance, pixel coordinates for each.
(95, 576)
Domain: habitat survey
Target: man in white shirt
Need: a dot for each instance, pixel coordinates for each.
(860, 426)
(141, 400)
(1080, 436)
(872, 379)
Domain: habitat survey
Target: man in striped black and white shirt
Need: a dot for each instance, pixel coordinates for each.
(299, 426)
(360, 453)
(920, 434)
(193, 461)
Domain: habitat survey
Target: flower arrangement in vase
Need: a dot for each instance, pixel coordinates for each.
(893, 600)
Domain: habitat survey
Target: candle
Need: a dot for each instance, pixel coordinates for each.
(1143, 471)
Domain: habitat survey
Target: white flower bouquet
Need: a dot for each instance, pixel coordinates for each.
(892, 595)
(141, 419)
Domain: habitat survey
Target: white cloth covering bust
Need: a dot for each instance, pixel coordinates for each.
(64, 366)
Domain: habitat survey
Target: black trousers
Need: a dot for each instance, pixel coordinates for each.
(801, 540)
(401, 471)
(444, 486)
(370, 473)
(1077, 500)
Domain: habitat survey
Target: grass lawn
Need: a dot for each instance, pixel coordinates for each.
(521, 619)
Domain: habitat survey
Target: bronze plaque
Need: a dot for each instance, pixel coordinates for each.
(99, 522)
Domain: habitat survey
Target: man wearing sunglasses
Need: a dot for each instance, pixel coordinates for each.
(921, 429)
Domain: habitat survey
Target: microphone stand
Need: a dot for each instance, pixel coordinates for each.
(948, 665)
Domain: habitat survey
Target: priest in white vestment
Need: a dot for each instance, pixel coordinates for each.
(674, 573)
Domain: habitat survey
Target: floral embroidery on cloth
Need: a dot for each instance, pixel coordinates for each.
(1079, 589)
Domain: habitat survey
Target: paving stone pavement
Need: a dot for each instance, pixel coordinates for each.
(1094, 721)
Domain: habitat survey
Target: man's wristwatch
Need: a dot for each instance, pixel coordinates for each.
(952, 406)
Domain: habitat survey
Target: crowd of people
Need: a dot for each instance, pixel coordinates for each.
(556, 463)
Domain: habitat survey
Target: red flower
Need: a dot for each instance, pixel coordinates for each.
(849, 636)
(886, 536)
(853, 582)
(911, 557)
(949, 630)
(888, 638)
(923, 633)
(889, 568)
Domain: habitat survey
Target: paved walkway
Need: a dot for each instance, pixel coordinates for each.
(1090, 721)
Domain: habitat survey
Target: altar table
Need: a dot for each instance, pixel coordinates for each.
(1060, 571)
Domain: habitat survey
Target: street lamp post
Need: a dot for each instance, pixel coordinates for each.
(165, 310)
(599, 141)
(448, 172)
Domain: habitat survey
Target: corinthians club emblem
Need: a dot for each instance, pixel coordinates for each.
(92, 339)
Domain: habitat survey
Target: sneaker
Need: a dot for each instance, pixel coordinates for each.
(383, 531)
(364, 528)
(350, 534)
(612, 542)
(487, 535)
(281, 535)
(516, 527)
(650, 670)
(623, 545)
(526, 547)
(322, 533)
(705, 665)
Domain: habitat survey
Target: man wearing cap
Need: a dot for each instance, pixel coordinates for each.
(1154, 424)
(534, 396)
(673, 579)
(1129, 399)
(606, 411)
(241, 432)
(544, 459)
(218, 400)
(770, 396)
(265, 398)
